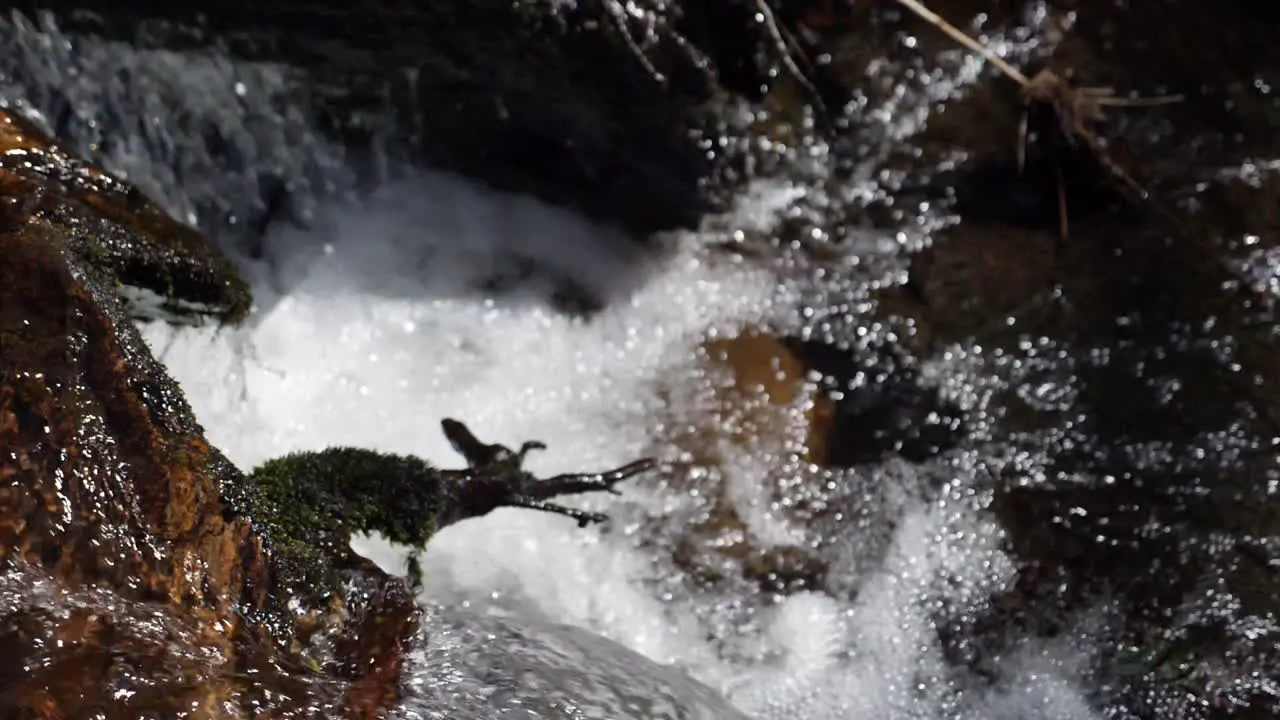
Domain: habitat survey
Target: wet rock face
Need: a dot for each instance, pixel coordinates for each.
(537, 669)
(106, 480)
(85, 406)
(1133, 362)
(757, 400)
(123, 572)
(824, 408)
(172, 272)
(592, 105)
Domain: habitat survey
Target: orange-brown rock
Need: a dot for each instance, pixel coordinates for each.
(759, 402)
(127, 587)
(765, 402)
(173, 261)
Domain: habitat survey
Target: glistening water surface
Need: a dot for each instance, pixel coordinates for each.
(381, 317)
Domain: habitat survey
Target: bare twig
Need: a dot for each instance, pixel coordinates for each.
(618, 14)
(784, 48)
(955, 34)
(1073, 108)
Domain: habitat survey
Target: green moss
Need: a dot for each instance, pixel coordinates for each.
(118, 229)
(312, 502)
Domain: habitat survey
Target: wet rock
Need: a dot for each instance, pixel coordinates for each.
(1131, 366)
(172, 271)
(881, 408)
(785, 569)
(826, 408)
(594, 105)
(763, 386)
(108, 482)
(759, 403)
(544, 670)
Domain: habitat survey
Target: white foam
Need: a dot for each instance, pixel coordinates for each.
(369, 335)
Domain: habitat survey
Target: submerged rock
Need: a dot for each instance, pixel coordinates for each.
(1121, 380)
(821, 408)
(508, 669)
(758, 403)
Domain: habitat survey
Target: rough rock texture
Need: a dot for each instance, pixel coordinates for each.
(1157, 358)
(580, 103)
(174, 265)
(125, 584)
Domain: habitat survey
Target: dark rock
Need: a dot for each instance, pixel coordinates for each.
(1138, 355)
(109, 488)
(172, 263)
(583, 104)
(883, 409)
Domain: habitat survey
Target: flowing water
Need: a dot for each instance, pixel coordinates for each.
(372, 325)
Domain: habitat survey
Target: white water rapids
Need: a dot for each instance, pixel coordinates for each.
(369, 330)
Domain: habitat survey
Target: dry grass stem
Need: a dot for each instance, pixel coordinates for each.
(1074, 108)
(956, 34)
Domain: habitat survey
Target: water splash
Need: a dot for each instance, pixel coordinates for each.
(383, 318)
